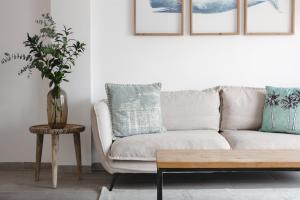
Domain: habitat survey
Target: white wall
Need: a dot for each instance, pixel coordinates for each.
(118, 56)
(76, 14)
(188, 62)
(23, 102)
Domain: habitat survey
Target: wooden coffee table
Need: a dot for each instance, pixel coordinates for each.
(201, 161)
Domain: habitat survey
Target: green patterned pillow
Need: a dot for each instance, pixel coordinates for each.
(282, 110)
(135, 109)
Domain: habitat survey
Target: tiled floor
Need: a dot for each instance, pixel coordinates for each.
(19, 184)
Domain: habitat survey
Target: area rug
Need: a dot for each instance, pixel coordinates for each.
(203, 194)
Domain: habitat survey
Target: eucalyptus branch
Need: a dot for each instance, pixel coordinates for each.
(51, 52)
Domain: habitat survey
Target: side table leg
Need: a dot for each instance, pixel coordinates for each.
(77, 144)
(159, 184)
(38, 156)
(55, 147)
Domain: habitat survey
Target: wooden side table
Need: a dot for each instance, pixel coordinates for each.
(40, 131)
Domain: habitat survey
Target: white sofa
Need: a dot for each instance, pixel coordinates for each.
(219, 118)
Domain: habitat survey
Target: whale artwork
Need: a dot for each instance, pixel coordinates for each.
(166, 6)
(219, 6)
(204, 6)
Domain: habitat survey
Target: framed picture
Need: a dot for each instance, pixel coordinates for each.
(215, 17)
(158, 17)
(269, 17)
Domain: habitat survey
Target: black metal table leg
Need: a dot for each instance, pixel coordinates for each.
(162, 171)
(159, 184)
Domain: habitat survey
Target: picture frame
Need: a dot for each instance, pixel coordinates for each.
(153, 18)
(218, 18)
(284, 20)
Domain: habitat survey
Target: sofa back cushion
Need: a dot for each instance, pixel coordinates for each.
(242, 108)
(191, 110)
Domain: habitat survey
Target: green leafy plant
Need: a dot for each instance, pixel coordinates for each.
(51, 52)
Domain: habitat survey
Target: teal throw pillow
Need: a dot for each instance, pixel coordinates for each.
(135, 109)
(282, 110)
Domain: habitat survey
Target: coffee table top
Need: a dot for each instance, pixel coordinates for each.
(228, 159)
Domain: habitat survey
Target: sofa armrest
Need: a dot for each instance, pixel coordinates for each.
(102, 131)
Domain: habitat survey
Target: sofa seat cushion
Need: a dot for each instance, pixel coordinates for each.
(144, 147)
(260, 140)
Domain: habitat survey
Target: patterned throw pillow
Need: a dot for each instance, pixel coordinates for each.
(282, 110)
(135, 109)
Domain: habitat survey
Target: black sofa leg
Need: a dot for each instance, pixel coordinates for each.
(114, 180)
